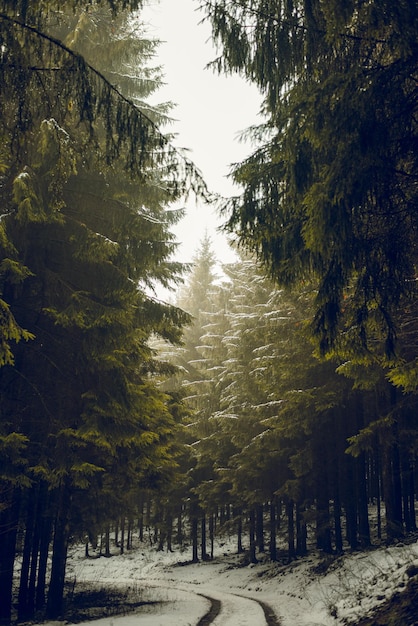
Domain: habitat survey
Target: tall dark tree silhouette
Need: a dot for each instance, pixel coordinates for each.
(86, 178)
(331, 192)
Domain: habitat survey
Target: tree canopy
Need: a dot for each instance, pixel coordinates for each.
(331, 191)
(87, 176)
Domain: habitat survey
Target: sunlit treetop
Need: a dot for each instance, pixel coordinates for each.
(43, 78)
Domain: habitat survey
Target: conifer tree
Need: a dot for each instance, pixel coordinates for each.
(331, 190)
(85, 234)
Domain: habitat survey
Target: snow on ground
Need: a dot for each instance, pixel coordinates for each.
(300, 593)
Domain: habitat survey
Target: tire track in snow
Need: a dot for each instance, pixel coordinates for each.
(212, 614)
(217, 607)
(269, 614)
(227, 607)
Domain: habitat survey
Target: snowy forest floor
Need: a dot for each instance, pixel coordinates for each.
(152, 588)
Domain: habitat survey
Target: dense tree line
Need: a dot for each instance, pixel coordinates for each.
(281, 437)
(328, 207)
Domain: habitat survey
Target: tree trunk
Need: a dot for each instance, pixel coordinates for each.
(129, 534)
(203, 552)
(141, 518)
(290, 529)
(169, 526)
(23, 610)
(41, 517)
(301, 537)
(377, 492)
(194, 524)
(363, 509)
(212, 534)
(360, 472)
(240, 547)
(323, 530)
(160, 528)
(408, 490)
(350, 503)
(59, 555)
(122, 534)
(45, 539)
(180, 525)
(9, 521)
(392, 481)
(253, 558)
(394, 526)
(272, 542)
(107, 541)
(259, 527)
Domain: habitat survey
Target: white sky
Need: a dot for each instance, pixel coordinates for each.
(211, 111)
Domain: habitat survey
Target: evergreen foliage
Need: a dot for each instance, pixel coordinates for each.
(330, 193)
(85, 236)
(275, 428)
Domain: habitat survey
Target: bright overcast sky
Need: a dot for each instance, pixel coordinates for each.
(210, 111)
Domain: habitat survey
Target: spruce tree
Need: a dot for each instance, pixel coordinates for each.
(331, 190)
(85, 235)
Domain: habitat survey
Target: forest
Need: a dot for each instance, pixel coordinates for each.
(279, 392)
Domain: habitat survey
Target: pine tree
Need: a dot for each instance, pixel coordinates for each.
(85, 234)
(331, 191)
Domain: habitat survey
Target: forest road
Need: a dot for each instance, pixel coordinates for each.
(230, 609)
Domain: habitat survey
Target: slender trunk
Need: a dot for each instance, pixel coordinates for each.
(272, 542)
(301, 547)
(337, 524)
(194, 524)
(129, 534)
(350, 503)
(363, 509)
(337, 475)
(45, 539)
(377, 488)
(360, 471)
(253, 558)
(23, 610)
(59, 555)
(259, 527)
(160, 529)
(122, 534)
(41, 517)
(240, 547)
(323, 530)
(391, 480)
(212, 534)
(107, 541)
(408, 503)
(169, 525)
(290, 529)
(9, 521)
(394, 526)
(141, 518)
(203, 552)
(411, 496)
(180, 525)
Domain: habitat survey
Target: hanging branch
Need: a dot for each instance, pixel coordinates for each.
(133, 127)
